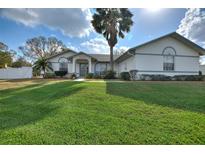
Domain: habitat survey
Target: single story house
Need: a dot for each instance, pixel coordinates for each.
(169, 55)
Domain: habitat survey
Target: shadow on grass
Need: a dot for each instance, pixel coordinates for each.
(25, 105)
(185, 96)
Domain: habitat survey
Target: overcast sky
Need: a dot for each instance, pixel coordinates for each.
(73, 27)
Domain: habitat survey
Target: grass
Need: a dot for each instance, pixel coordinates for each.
(66, 112)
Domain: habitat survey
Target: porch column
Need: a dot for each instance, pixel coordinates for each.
(73, 65)
(89, 66)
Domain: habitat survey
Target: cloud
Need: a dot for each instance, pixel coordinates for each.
(192, 26)
(72, 47)
(123, 48)
(202, 60)
(99, 45)
(71, 22)
(96, 45)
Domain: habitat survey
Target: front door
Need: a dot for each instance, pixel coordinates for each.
(83, 69)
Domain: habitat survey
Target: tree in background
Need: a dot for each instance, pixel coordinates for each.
(20, 62)
(5, 56)
(5, 59)
(39, 48)
(3, 47)
(119, 52)
(112, 23)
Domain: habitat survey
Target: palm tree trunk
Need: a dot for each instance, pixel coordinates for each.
(111, 59)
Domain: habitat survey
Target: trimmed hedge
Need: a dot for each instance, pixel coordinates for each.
(125, 76)
(155, 77)
(97, 76)
(188, 77)
(169, 78)
(60, 73)
(109, 75)
(89, 76)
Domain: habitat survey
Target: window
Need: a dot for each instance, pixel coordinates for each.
(100, 68)
(168, 57)
(63, 64)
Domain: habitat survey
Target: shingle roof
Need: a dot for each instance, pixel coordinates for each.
(103, 57)
(98, 57)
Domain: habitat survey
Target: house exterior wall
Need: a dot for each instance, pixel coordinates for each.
(202, 69)
(158, 46)
(55, 64)
(148, 59)
(56, 58)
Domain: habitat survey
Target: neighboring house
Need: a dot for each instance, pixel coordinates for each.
(170, 55)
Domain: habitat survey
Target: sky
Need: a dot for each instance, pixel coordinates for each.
(73, 27)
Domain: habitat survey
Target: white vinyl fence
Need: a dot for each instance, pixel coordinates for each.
(16, 73)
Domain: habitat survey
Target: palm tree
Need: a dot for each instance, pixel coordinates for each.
(42, 64)
(112, 23)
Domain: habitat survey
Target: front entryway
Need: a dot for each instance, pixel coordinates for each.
(83, 69)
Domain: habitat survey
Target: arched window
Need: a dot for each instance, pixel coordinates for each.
(168, 57)
(63, 64)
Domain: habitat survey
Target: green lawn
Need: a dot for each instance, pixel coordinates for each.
(66, 112)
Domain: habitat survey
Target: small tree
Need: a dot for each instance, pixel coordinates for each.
(42, 64)
(112, 23)
(41, 47)
(20, 62)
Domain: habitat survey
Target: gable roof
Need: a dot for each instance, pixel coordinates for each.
(175, 35)
(64, 50)
(82, 53)
(98, 57)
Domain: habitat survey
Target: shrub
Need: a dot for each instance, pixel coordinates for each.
(188, 78)
(133, 74)
(169, 78)
(97, 76)
(155, 77)
(49, 75)
(109, 75)
(73, 76)
(89, 76)
(60, 73)
(125, 76)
